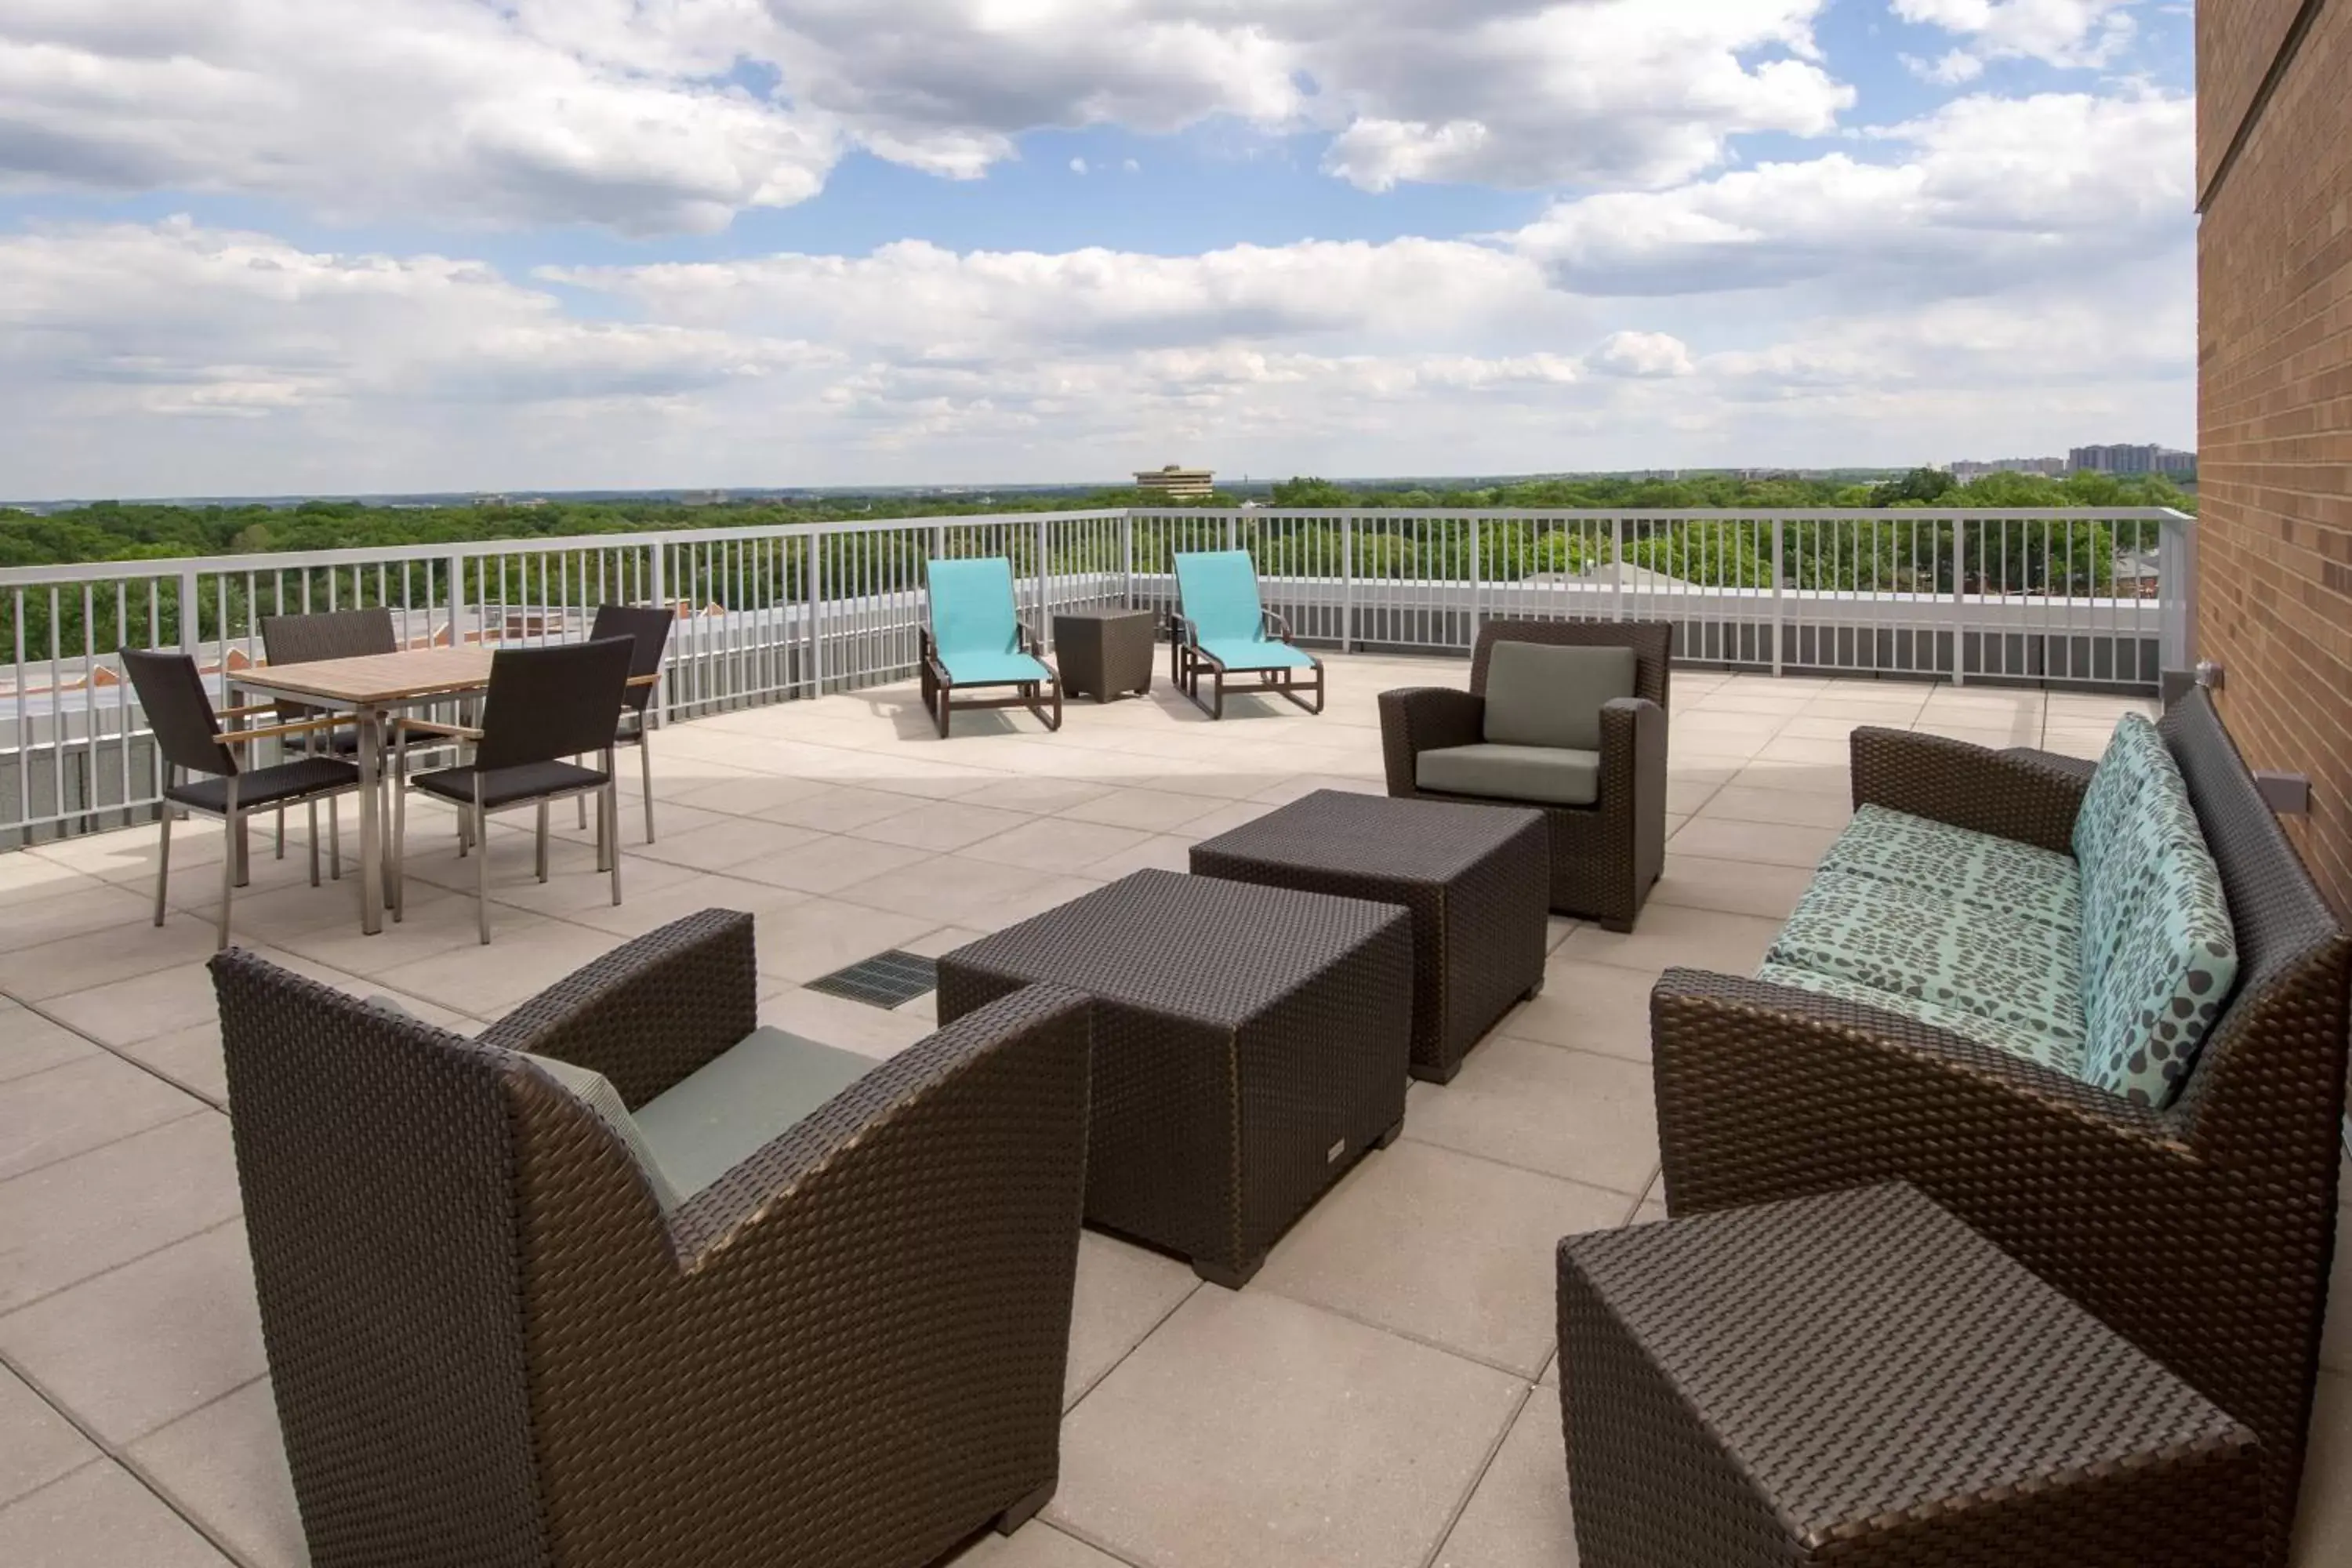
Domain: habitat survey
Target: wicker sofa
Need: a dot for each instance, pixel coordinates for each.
(2201, 1229)
(1606, 852)
(493, 1343)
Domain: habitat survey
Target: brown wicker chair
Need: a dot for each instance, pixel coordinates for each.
(1605, 856)
(2203, 1233)
(489, 1346)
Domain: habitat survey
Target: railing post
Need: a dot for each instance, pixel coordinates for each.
(453, 571)
(1233, 531)
(1044, 617)
(1347, 584)
(1780, 577)
(190, 615)
(2175, 583)
(1127, 555)
(815, 613)
(658, 584)
(1959, 592)
(1477, 576)
(1617, 565)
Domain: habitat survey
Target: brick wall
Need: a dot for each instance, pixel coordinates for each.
(2275, 357)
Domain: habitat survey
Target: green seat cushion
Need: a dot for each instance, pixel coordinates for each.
(596, 1091)
(2026, 1045)
(2005, 878)
(1542, 694)
(1240, 654)
(1931, 947)
(2158, 954)
(1547, 775)
(969, 668)
(733, 1106)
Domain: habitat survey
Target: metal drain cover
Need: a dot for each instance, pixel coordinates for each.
(886, 980)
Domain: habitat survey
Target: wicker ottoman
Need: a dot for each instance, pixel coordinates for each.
(1104, 653)
(1861, 1379)
(1476, 879)
(1249, 1044)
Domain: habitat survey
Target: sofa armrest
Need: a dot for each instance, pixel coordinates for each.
(648, 1013)
(2011, 794)
(1633, 756)
(1417, 719)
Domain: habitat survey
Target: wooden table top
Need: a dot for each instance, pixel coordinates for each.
(375, 678)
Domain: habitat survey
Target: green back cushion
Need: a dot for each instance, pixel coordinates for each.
(972, 607)
(733, 1106)
(1541, 695)
(596, 1091)
(2158, 954)
(1219, 592)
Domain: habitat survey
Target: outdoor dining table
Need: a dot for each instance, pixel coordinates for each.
(373, 687)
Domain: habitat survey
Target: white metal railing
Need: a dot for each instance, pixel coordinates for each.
(2052, 596)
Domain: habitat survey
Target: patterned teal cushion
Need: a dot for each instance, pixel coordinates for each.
(2026, 1045)
(2158, 954)
(2000, 876)
(1931, 947)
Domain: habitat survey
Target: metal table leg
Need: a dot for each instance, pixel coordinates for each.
(371, 876)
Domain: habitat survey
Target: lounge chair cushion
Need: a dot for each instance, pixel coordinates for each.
(2157, 951)
(1541, 695)
(969, 668)
(1548, 775)
(1218, 591)
(1931, 947)
(735, 1105)
(1235, 654)
(2026, 1045)
(594, 1090)
(2004, 878)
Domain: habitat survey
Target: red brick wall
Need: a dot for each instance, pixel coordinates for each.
(2274, 442)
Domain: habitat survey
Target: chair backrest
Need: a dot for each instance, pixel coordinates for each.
(972, 607)
(1653, 643)
(649, 626)
(333, 633)
(179, 711)
(544, 703)
(1217, 592)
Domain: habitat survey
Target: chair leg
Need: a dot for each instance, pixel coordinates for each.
(542, 850)
(163, 861)
(582, 801)
(609, 807)
(482, 869)
(645, 772)
(281, 833)
(314, 842)
(335, 836)
(399, 847)
(236, 825)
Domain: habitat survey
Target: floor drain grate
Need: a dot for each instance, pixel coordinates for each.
(886, 980)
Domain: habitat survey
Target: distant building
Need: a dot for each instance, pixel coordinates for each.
(1965, 470)
(1179, 483)
(2126, 459)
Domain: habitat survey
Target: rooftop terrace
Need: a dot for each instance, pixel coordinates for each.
(1383, 1395)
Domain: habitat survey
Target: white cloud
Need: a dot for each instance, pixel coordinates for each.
(2070, 32)
(1954, 69)
(1078, 166)
(1641, 354)
(674, 117)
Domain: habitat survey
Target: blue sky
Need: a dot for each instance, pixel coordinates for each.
(292, 245)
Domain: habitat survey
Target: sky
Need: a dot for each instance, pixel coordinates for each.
(270, 247)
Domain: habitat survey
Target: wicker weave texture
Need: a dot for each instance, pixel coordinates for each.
(1474, 878)
(2203, 1233)
(1249, 1044)
(1104, 652)
(1859, 1378)
(1605, 858)
(849, 1350)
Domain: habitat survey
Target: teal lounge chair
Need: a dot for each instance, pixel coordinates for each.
(1221, 629)
(977, 639)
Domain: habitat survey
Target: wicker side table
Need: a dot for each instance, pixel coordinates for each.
(1861, 1379)
(1475, 878)
(1250, 1045)
(1104, 652)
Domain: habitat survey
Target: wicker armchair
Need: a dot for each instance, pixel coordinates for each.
(1605, 856)
(2202, 1232)
(490, 1346)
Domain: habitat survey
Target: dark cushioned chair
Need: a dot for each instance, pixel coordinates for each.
(491, 1345)
(2201, 1232)
(1578, 736)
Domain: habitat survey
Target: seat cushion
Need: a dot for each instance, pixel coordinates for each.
(2026, 1045)
(1241, 652)
(1539, 694)
(596, 1091)
(1931, 947)
(510, 786)
(267, 786)
(970, 669)
(735, 1105)
(2005, 878)
(1547, 775)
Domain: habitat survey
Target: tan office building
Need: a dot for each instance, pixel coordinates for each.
(1179, 483)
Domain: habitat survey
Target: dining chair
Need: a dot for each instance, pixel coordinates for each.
(189, 739)
(306, 639)
(649, 626)
(543, 707)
